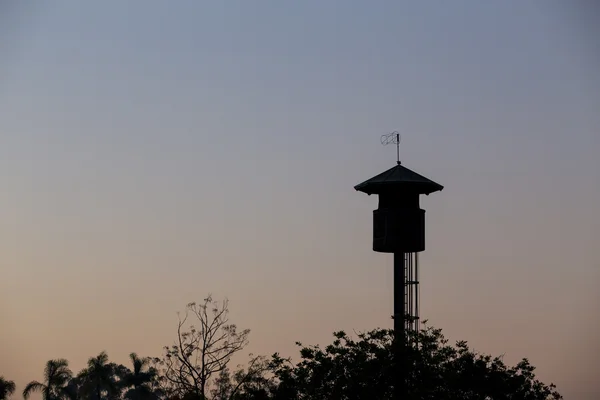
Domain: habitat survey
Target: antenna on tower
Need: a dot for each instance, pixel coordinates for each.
(392, 138)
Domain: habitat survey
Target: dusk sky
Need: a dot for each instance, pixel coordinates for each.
(152, 152)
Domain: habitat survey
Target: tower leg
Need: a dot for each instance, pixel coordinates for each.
(399, 328)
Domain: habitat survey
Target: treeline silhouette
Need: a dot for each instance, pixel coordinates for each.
(197, 367)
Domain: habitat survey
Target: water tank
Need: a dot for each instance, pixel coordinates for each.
(398, 230)
(398, 222)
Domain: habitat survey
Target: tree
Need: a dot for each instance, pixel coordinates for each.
(251, 383)
(7, 388)
(100, 379)
(362, 369)
(56, 377)
(201, 352)
(141, 380)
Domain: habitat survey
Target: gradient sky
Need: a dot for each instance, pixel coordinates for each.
(152, 152)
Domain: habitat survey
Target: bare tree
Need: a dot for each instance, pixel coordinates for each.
(203, 348)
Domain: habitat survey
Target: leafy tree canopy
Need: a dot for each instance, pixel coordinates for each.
(351, 369)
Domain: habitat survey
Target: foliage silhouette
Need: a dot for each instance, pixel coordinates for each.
(362, 369)
(100, 380)
(142, 380)
(7, 388)
(197, 367)
(57, 376)
(252, 382)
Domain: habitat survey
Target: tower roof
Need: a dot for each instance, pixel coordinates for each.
(398, 178)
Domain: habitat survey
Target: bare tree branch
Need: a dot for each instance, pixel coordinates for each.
(200, 354)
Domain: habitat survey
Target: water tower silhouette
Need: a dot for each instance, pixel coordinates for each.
(399, 228)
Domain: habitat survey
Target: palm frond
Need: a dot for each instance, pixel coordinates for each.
(58, 373)
(7, 388)
(99, 361)
(33, 386)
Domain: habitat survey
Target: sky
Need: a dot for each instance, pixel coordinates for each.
(154, 152)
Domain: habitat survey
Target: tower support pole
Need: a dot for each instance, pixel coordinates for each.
(400, 389)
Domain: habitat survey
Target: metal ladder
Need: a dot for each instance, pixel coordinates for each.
(411, 293)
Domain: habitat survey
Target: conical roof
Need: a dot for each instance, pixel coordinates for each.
(399, 178)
